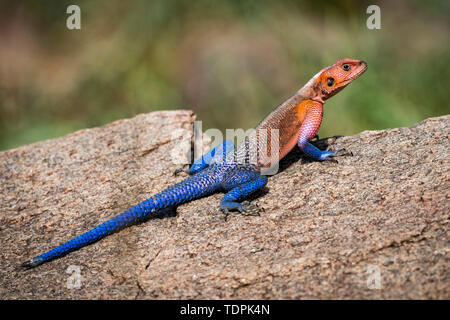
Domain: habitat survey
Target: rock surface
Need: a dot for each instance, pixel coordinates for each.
(375, 225)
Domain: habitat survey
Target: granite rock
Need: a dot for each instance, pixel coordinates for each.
(374, 225)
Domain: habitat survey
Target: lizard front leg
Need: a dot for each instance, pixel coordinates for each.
(308, 131)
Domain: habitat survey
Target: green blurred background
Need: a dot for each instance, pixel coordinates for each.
(231, 61)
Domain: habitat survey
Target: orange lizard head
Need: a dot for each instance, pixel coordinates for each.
(336, 77)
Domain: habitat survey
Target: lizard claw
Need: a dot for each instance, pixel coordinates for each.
(330, 159)
(343, 153)
(331, 155)
(245, 208)
(226, 213)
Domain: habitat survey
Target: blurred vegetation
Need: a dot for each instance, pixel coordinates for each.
(231, 61)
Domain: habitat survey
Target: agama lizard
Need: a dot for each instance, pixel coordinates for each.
(238, 171)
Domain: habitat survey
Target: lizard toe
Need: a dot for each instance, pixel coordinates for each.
(343, 153)
(250, 209)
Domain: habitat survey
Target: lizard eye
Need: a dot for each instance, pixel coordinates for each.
(330, 82)
(346, 67)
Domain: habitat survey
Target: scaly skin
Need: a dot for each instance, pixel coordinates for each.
(238, 173)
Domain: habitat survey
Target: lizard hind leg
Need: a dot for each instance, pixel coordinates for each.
(250, 182)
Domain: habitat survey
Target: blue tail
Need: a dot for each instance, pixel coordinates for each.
(197, 186)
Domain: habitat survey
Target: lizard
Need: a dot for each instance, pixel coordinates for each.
(238, 171)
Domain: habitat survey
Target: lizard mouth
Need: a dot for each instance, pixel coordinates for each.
(362, 68)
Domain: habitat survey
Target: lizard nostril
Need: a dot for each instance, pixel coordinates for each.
(362, 62)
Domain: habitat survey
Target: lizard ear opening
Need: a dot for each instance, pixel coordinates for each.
(330, 82)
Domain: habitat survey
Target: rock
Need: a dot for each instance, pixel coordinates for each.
(374, 225)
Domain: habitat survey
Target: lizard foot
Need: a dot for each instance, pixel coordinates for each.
(343, 153)
(250, 209)
(331, 155)
(245, 208)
